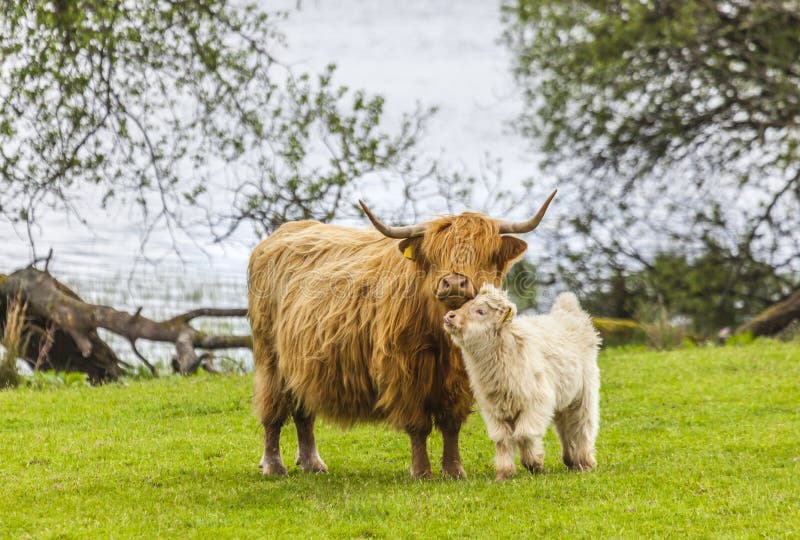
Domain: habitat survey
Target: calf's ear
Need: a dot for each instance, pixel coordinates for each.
(512, 249)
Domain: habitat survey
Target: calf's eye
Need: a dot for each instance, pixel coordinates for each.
(481, 312)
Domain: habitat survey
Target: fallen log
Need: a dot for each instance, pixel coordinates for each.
(619, 331)
(773, 319)
(58, 314)
(43, 345)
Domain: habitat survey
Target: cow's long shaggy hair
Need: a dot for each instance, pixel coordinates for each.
(345, 326)
(527, 372)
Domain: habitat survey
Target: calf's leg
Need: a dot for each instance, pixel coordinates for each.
(307, 454)
(504, 459)
(577, 429)
(501, 433)
(529, 430)
(531, 453)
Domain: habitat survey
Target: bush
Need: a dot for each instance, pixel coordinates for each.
(712, 291)
(660, 328)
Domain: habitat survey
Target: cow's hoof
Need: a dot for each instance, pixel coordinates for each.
(423, 474)
(271, 468)
(312, 465)
(454, 471)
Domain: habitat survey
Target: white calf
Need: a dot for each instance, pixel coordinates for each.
(528, 371)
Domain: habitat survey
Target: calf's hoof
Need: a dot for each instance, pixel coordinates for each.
(503, 474)
(534, 467)
(582, 464)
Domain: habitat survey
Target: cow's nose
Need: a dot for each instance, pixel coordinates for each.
(455, 281)
(450, 315)
(455, 285)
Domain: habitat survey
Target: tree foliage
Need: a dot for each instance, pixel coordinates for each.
(674, 125)
(522, 283)
(700, 290)
(151, 102)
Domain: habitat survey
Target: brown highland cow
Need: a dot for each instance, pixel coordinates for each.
(347, 324)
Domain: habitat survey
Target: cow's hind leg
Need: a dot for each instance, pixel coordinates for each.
(307, 454)
(271, 406)
(271, 461)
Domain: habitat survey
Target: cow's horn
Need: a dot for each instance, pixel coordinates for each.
(409, 231)
(521, 227)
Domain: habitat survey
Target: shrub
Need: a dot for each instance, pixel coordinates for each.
(661, 330)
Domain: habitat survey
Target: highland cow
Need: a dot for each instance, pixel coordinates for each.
(347, 324)
(527, 372)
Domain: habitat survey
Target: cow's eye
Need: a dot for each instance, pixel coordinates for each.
(480, 312)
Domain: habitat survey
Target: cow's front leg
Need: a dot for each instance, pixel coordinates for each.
(420, 464)
(453, 411)
(451, 457)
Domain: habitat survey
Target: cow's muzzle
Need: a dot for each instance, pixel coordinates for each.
(454, 290)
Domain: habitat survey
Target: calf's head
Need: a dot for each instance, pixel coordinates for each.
(457, 254)
(480, 319)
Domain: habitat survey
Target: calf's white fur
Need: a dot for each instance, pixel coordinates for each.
(529, 371)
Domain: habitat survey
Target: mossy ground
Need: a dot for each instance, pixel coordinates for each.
(700, 442)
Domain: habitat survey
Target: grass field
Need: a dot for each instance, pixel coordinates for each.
(700, 442)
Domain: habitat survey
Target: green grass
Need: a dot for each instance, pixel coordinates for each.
(700, 442)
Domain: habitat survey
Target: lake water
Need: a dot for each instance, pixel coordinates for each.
(434, 52)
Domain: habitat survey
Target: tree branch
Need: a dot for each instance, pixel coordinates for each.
(48, 298)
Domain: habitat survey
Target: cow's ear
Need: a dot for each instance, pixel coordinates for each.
(410, 248)
(511, 249)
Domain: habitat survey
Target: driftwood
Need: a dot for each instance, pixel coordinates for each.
(773, 319)
(62, 328)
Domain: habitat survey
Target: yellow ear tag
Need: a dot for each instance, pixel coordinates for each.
(508, 316)
(408, 253)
